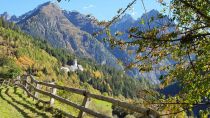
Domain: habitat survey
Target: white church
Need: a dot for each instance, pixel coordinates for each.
(73, 67)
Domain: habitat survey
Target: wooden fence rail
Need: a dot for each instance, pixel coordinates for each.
(32, 87)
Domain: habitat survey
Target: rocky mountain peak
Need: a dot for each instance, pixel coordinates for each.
(5, 16)
(61, 29)
(49, 8)
(153, 13)
(127, 18)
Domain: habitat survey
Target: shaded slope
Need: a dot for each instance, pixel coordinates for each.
(123, 25)
(16, 105)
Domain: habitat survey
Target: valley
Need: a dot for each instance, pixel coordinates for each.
(158, 60)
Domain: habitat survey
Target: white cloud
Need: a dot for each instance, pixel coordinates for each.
(88, 6)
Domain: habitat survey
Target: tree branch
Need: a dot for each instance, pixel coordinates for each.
(186, 37)
(196, 10)
(183, 103)
(194, 105)
(173, 113)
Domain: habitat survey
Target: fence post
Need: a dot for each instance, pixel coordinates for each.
(53, 90)
(16, 82)
(36, 93)
(85, 103)
(26, 85)
(8, 82)
(23, 82)
(31, 89)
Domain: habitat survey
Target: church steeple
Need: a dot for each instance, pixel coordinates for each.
(75, 62)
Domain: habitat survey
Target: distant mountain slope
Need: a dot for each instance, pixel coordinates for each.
(48, 22)
(82, 21)
(123, 25)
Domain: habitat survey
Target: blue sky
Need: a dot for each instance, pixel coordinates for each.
(101, 9)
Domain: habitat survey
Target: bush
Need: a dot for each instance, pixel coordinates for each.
(8, 68)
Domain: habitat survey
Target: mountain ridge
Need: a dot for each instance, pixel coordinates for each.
(50, 23)
(72, 30)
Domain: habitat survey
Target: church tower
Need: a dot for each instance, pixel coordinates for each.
(75, 62)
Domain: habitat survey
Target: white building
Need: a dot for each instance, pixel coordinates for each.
(73, 67)
(66, 69)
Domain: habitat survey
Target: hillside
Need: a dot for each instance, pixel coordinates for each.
(73, 31)
(21, 54)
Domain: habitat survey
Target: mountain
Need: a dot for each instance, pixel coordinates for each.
(49, 22)
(127, 22)
(87, 24)
(5, 15)
(123, 25)
(72, 30)
(81, 21)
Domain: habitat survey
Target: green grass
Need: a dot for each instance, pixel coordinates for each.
(101, 107)
(95, 105)
(7, 110)
(18, 105)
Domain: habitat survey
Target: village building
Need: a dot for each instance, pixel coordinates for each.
(72, 68)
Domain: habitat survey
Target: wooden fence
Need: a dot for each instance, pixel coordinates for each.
(33, 87)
